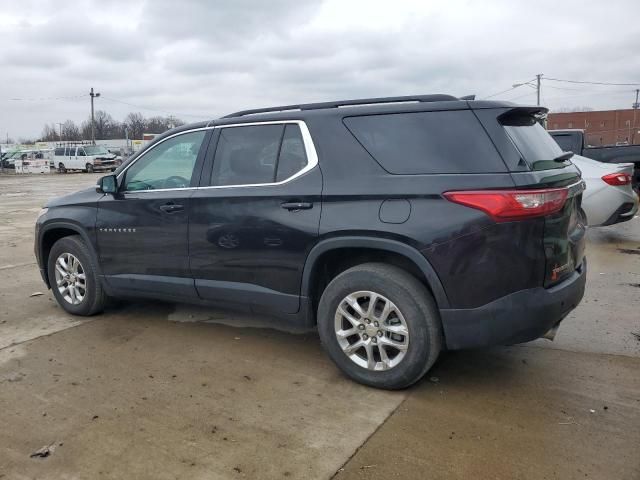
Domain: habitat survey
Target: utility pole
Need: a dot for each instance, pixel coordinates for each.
(538, 78)
(60, 125)
(93, 123)
(635, 108)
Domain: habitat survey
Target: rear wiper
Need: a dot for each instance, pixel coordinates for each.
(563, 157)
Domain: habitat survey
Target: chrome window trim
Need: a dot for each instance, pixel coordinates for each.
(310, 149)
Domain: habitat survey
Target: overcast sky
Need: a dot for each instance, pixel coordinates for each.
(200, 59)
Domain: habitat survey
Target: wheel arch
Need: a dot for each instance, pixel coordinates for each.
(369, 245)
(53, 232)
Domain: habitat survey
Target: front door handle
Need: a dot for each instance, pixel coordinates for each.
(292, 206)
(171, 208)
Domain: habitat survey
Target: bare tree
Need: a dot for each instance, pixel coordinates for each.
(104, 123)
(49, 133)
(135, 123)
(70, 131)
(85, 129)
(107, 128)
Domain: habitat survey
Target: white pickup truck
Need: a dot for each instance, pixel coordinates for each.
(88, 158)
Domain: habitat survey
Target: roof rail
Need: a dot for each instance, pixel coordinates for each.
(346, 103)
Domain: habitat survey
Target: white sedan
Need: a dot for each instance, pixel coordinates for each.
(609, 197)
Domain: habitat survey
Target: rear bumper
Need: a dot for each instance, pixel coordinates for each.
(519, 317)
(625, 212)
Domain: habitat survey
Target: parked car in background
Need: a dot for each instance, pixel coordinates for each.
(446, 224)
(88, 158)
(573, 140)
(608, 198)
(9, 160)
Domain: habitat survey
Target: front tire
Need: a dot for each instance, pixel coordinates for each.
(62, 168)
(72, 273)
(380, 326)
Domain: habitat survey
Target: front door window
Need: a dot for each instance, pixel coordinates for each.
(170, 164)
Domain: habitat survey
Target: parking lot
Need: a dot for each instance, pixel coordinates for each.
(163, 391)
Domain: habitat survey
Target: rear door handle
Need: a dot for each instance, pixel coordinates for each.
(171, 208)
(291, 206)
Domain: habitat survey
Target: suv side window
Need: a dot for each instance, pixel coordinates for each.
(293, 156)
(71, 151)
(451, 141)
(59, 152)
(246, 155)
(81, 152)
(258, 154)
(169, 164)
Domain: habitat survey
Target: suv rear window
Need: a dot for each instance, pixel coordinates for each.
(427, 142)
(533, 142)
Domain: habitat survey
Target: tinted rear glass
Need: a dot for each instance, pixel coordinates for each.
(533, 142)
(427, 142)
(246, 155)
(293, 157)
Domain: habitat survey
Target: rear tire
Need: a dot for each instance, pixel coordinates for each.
(404, 322)
(73, 277)
(89, 168)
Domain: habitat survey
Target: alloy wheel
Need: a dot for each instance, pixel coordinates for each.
(371, 330)
(71, 280)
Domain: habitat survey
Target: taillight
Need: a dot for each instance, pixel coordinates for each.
(509, 205)
(617, 179)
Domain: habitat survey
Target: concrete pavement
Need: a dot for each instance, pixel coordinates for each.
(157, 391)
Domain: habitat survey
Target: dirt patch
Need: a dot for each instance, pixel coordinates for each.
(630, 251)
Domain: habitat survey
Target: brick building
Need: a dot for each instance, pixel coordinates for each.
(604, 127)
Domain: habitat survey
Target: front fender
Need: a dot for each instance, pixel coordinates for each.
(42, 250)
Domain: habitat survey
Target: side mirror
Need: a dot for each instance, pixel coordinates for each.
(107, 184)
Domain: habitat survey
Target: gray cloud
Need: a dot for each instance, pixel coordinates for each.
(201, 59)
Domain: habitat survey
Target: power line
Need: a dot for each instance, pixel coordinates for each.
(520, 96)
(42, 99)
(177, 114)
(508, 89)
(592, 83)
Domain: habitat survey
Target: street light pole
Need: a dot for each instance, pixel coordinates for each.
(93, 123)
(60, 125)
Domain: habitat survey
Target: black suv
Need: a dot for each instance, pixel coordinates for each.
(399, 226)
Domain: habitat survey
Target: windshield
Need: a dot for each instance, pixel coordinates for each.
(96, 150)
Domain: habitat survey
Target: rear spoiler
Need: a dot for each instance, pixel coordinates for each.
(518, 115)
